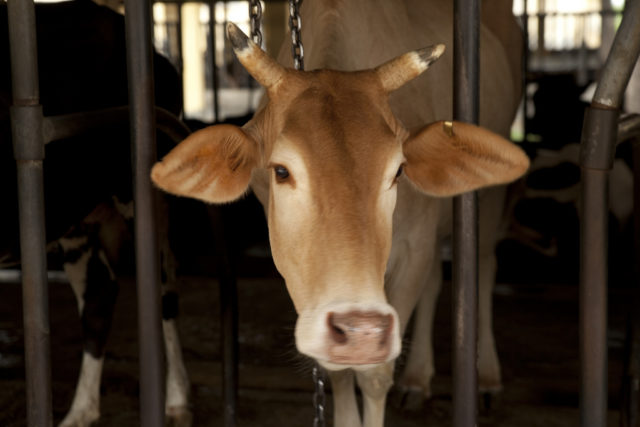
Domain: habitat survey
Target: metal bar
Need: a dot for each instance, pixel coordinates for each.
(525, 68)
(26, 116)
(180, 54)
(15, 276)
(68, 125)
(228, 285)
(596, 158)
(465, 219)
(593, 299)
(621, 59)
(214, 68)
(228, 318)
(629, 128)
(180, 65)
(634, 357)
(141, 99)
(631, 377)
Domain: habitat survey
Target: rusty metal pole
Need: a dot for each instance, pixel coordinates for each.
(596, 159)
(465, 220)
(26, 123)
(143, 136)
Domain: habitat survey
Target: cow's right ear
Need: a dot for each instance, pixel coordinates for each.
(213, 164)
(449, 158)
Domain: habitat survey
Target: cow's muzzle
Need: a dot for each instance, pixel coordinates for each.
(359, 337)
(341, 335)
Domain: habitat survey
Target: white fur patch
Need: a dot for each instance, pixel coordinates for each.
(289, 203)
(177, 380)
(85, 408)
(77, 271)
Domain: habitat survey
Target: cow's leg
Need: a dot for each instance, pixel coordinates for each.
(177, 401)
(177, 387)
(375, 384)
(415, 382)
(177, 394)
(413, 275)
(345, 407)
(489, 378)
(95, 287)
(492, 208)
(177, 383)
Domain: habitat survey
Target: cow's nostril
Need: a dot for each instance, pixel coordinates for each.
(338, 334)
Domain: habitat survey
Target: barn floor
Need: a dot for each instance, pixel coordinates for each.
(536, 332)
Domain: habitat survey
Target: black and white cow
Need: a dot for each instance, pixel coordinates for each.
(82, 67)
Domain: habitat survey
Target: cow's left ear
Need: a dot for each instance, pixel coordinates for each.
(450, 158)
(213, 165)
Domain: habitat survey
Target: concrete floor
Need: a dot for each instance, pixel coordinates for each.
(535, 326)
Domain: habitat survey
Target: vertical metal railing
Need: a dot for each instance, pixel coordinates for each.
(596, 160)
(143, 136)
(228, 316)
(26, 116)
(214, 69)
(465, 219)
(631, 386)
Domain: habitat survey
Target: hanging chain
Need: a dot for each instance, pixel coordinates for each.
(295, 25)
(318, 396)
(255, 16)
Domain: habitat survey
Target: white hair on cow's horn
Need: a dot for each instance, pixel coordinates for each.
(398, 71)
(261, 66)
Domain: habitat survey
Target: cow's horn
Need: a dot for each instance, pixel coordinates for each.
(263, 68)
(400, 70)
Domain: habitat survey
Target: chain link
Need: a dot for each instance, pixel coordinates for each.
(295, 25)
(318, 396)
(255, 16)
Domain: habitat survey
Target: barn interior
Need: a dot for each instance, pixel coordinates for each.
(536, 298)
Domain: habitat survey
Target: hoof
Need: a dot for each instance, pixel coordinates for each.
(409, 398)
(491, 386)
(488, 402)
(489, 390)
(179, 417)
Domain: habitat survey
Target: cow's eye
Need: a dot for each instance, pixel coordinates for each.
(281, 173)
(399, 171)
(398, 174)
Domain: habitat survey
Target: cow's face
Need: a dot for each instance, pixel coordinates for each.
(334, 153)
(333, 163)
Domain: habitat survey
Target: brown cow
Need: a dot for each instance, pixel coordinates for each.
(356, 193)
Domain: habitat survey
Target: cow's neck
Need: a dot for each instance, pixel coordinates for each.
(346, 34)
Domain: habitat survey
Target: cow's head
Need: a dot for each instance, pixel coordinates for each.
(334, 153)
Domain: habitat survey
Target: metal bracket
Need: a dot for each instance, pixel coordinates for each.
(628, 128)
